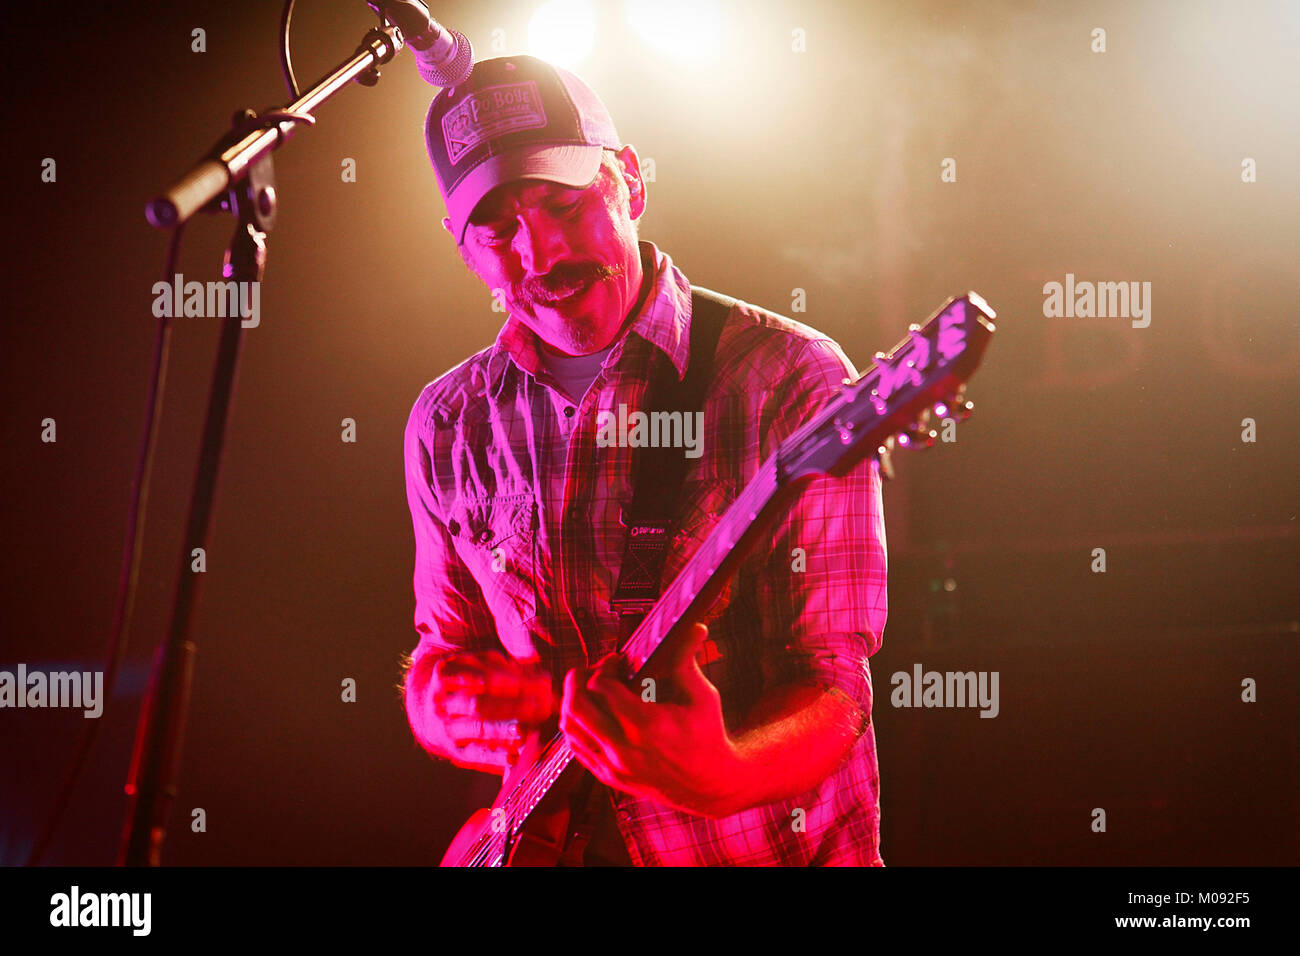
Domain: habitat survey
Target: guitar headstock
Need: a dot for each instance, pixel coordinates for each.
(892, 402)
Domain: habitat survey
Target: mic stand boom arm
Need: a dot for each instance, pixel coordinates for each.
(230, 162)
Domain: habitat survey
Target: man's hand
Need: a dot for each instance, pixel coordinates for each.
(675, 751)
(487, 704)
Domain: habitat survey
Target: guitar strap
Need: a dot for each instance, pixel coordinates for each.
(657, 478)
(658, 473)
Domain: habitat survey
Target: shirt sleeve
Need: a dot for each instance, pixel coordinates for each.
(450, 610)
(822, 594)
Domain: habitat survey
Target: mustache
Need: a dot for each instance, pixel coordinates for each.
(565, 279)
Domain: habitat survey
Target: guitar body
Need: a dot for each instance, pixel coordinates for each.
(544, 839)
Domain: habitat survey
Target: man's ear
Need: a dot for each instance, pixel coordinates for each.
(630, 163)
(446, 223)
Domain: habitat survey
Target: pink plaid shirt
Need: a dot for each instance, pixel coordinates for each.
(518, 548)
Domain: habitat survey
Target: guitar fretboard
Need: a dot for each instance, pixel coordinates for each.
(717, 553)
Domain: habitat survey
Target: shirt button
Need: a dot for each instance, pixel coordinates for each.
(569, 411)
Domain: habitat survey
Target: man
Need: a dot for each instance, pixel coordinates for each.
(761, 751)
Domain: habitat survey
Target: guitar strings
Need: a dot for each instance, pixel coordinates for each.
(554, 757)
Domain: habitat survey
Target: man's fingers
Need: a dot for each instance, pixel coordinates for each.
(491, 686)
(455, 704)
(460, 672)
(492, 734)
(590, 756)
(535, 703)
(583, 716)
(504, 683)
(608, 681)
(483, 707)
(611, 665)
(476, 757)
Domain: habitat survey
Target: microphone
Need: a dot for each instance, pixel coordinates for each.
(444, 57)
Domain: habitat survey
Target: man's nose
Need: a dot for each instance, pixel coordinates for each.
(539, 246)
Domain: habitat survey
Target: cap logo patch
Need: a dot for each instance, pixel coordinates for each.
(491, 112)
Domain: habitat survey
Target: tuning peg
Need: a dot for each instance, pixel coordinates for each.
(952, 404)
(886, 459)
(918, 433)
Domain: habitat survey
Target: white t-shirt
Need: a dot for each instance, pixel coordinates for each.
(575, 373)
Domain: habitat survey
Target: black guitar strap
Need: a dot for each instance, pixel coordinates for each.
(658, 473)
(657, 478)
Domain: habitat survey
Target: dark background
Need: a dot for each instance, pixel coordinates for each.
(775, 170)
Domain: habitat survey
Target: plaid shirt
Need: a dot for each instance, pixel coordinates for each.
(519, 545)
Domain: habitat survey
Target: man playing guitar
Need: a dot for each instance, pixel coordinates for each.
(750, 742)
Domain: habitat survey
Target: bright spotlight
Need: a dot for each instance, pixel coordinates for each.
(562, 32)
(680, 28)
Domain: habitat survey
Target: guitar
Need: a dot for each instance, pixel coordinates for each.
(889, 406)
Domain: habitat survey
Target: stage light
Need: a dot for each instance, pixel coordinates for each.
(562, 32)
(679, 28)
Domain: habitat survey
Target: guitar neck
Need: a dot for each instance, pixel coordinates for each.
(708, 570)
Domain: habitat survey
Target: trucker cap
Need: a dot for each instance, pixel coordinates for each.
(516, 117)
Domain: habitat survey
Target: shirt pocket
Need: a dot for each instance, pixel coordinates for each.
(497, 538)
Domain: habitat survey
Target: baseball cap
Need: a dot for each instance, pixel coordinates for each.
(516, 117)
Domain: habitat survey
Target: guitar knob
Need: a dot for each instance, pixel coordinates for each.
(918, 433)
(886, 459)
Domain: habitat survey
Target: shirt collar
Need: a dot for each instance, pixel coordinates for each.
(662, 321)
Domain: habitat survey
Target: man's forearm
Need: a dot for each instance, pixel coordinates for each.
(796, 738)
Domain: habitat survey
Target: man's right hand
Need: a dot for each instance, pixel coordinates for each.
(487, 703)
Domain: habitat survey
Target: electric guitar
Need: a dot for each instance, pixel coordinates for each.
(889, 406)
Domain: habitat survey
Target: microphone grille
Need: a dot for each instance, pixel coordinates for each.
(452, 71)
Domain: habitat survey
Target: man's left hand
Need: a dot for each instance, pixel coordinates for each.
(675, 752)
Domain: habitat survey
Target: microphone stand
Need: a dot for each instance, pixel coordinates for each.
(237, 177)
